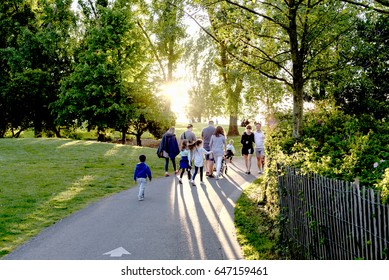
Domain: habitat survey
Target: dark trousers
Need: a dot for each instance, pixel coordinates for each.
(167, 164)
(187, 170)
(201, 173)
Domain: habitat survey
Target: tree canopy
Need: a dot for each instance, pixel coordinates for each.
(104, 64)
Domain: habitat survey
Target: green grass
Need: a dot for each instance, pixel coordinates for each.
(44, 180)
(257, 233)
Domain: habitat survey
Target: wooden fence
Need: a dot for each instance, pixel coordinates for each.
(329, 219)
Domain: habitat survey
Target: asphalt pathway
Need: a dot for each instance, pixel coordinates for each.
(174, 222)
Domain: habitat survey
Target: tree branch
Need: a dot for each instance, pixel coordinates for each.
(257, 13)
(248, 64)
(267, 58)
(153, 49)
(382, 2)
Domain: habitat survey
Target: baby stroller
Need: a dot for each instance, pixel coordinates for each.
(224, 167)
(229, 155)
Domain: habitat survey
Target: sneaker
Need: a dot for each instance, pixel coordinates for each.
(193, 184)
(180, 181)
(202, 182)
(141, 198)
(167, 174)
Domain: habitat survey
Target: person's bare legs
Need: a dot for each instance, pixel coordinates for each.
(259, 164)
(249, 163)
(245, 162)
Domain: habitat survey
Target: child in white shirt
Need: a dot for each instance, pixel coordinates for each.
(198, 158)
(230, 150)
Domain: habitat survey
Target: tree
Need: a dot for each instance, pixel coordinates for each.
(364, 87)
(112, 57)
(167, 26)
(289, 41)
(35, 57)
(231, 74)
(205, 93)
(150, 114)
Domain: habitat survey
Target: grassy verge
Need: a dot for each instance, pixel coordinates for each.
(257, 233)
(44, 180)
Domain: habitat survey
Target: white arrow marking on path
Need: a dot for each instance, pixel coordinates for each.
(118, 252)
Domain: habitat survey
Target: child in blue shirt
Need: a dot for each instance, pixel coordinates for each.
(142, 171)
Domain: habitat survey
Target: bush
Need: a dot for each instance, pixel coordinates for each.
(335, 145)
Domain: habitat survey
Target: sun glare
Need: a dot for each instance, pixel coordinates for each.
(177, 93)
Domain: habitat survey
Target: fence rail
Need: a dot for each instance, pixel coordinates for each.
(329, 219)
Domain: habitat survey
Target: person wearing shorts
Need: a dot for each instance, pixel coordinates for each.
(259, 139)
(247, 141)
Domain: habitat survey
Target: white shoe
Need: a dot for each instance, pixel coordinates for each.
(180, 181)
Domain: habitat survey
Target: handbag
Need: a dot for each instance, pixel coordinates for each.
(164, 154)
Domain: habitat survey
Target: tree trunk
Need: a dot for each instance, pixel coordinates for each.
(37, 129)
(138, 140)
(298, 77)
(124, 132)
(57, 132)
(233, 126)
(298, 104)
(101, 135)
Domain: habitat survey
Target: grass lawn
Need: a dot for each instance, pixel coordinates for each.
(44, 180)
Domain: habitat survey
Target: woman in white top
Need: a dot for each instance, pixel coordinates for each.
(218, 147)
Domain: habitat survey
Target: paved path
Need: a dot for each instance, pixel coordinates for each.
(173, 222)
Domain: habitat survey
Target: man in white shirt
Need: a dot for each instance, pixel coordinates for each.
(259, 139)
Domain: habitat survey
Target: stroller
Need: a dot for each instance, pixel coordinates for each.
(224, 167)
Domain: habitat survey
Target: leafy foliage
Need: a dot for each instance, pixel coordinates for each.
(34, 56)
(365, 88)
(100, 88)
(336, 145)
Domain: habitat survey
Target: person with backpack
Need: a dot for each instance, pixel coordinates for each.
(188, 135)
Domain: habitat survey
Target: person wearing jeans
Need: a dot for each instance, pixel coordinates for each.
(142, 171)
(218, 148)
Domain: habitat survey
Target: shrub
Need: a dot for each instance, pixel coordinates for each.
(335, 145)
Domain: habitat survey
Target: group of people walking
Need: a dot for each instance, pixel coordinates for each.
(212, 145)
